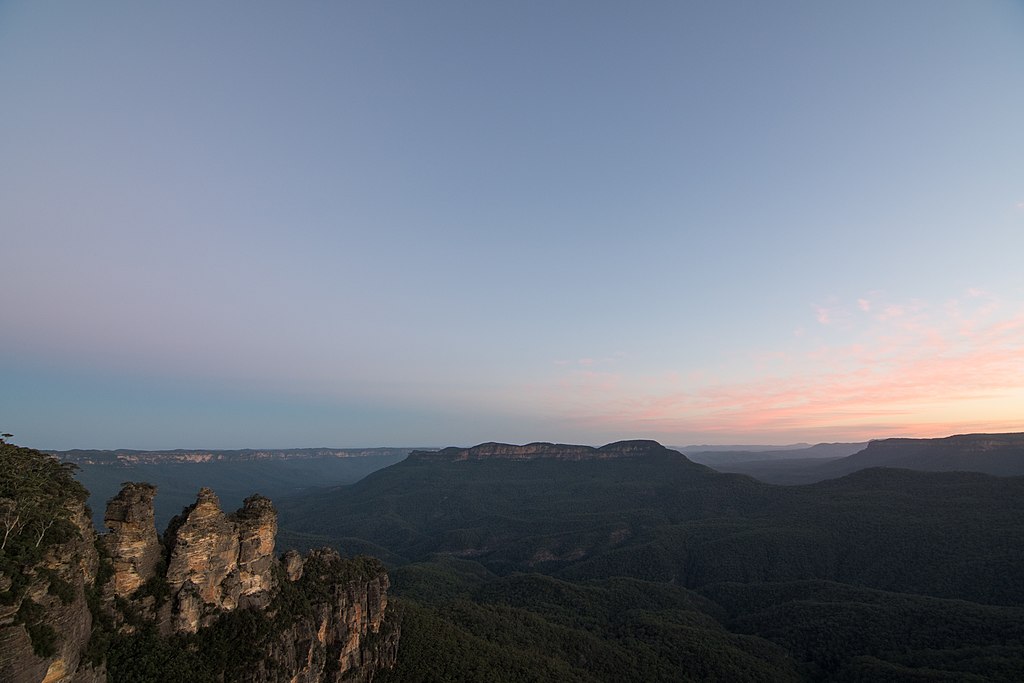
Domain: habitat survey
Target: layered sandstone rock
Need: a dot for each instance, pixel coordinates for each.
(323, 616)
(132, 542)
(346, 636)
(257, 529)
(292, 562)
(219, 562)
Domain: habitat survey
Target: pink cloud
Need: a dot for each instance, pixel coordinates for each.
(905, 373)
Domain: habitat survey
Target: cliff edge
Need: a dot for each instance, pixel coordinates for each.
(207, 601)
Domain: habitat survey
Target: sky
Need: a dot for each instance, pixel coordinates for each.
(290, 224)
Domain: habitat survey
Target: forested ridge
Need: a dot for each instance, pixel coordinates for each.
(660, 569)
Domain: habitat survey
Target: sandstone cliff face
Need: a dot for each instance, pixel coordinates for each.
(132, 542)
(56, 591)
(257, 531)
(346, 636)
(219, 562)
(321, 618)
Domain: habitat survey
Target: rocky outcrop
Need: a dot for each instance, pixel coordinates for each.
(257, 530)
(132, 542)
(292, 562)
(218, 562)
(214, 579)
(556, 451)
(53, 601)
(346, 635)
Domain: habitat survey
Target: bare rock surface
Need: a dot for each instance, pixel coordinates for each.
(132, 542)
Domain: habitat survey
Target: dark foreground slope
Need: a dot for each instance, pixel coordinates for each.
(882, 575)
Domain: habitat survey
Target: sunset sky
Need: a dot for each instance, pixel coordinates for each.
(286, 224)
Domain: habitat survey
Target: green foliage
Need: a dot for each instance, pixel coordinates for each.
(667, 519)
(63, 590)
(102, 623)
(146, 656)
(325, 573)
(37, 496)
(36, 492)
(155, 586)
(42, 635)
(813, 581)
(842, 629)
(538, 628)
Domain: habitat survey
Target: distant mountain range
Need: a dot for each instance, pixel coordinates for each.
(630, 562)
(629, 515)
(996, 454)
(821, 450)
(127, 457)
(748, 448)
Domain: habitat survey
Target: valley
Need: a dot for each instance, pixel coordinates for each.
(627, 562)
(573, 564)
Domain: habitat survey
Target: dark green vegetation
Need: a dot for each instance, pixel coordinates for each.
(464, 623)
(656, 568)
(233, 480)
(37, 495)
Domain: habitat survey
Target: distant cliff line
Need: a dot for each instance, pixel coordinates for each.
(127, 457)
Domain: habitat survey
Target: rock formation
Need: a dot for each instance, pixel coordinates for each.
(132, 542)
(322, 618)
(257, 530)
(218, 562)
(347, 636)
(292, 563)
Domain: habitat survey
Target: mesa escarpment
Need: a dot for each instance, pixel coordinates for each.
(545, 450)
(208, 597)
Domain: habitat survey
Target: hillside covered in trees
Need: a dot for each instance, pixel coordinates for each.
(651, 567)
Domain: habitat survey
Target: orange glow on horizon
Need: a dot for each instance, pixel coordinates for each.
(905, 371)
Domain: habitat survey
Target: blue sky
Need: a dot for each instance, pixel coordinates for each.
(351, 224)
